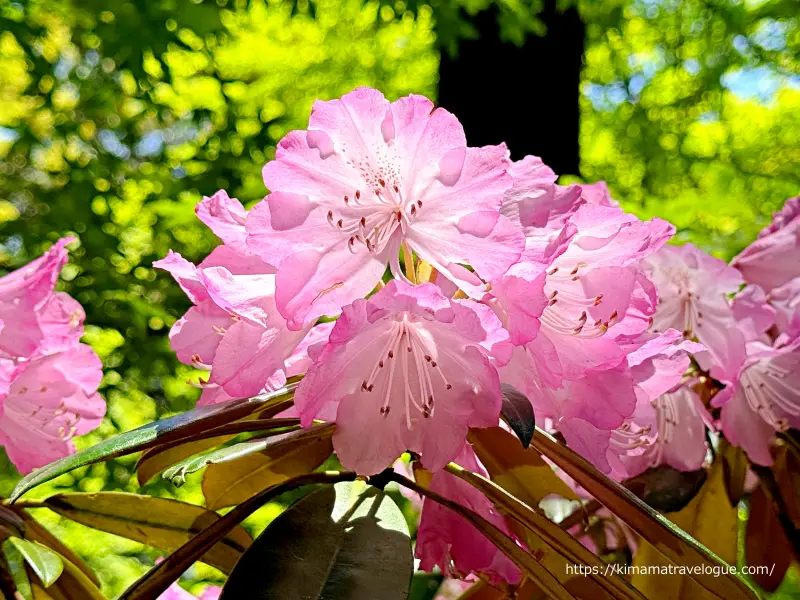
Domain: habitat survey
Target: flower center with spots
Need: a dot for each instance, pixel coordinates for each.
(568, 306)
(372, 218)
(407, 366)
(768, 393)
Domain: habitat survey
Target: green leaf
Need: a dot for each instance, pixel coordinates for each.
(181, 426)
(553, 536)
(160, 577)
(352, 543)
(45, 563)
(159, 522)
(668, 539)
(16, 566)
(517, 411)
(74, 583)
(241, 471)
(37, 533)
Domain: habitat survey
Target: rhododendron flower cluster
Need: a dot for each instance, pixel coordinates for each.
(405, 275)
(48, 379)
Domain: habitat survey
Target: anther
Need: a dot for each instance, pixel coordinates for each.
(391, 353)
(448, 386)
(382, 182)
(380, 364)
(339, 223)
(553, 271)
(433, 363)
(419, 203)
(364, 386)
(358, 194)
(363, 221)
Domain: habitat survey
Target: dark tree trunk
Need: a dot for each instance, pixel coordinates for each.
(528, 96)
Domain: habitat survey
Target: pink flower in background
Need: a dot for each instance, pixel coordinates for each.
(46, 402)
(36, 319)
(176, 592)
(234, 330)
(694, 290)
(446, 540)
(772, 260)
(48, 380)
(408, 369)
(764, 399)
(367, 175)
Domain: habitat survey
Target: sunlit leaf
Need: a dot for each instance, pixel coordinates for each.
(332, 545)
(669, 540)
(521, 472)
(180, 426)
(37, 533)
(240, 472)
(159, 522)
(16, 567)
(45, 563)
(73, 584)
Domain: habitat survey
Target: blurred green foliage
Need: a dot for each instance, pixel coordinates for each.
(116, 118)
(691, 111)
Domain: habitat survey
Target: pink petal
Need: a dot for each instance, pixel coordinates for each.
(225, 217)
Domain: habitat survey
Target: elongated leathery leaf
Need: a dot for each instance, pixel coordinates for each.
(163, 456)
(331, 545)
(253, 466)
(183, 425)
(159, 578)
(668, 539)
(159, 522)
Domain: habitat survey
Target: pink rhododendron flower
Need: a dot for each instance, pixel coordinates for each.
(786, 302)
(598, 193)
(669, 430)
(764, 398)
(36, 319)
(176, 592)
(366, 176)
(408, 369)
(772, 260)
(45, 402)
(447, 540)
(694, 290)
(234, 330)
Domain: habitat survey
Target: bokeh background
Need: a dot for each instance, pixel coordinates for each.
(117, 117)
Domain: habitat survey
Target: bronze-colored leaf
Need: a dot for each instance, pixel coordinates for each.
(553, 536)
(229, 483)
(521, 472)
(735, 466)
(711, 519)
(154, 461)
(158, 522)
(530, 566)
(666, 489)
(787, 477)
(151, 585)
(765, 542)
(669, 540)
